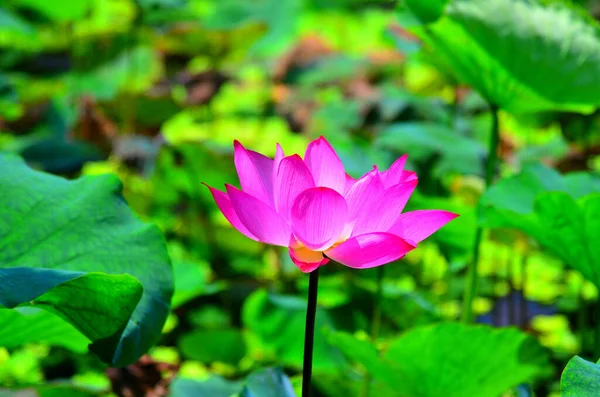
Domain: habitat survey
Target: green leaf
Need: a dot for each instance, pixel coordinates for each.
(69, 10)
(558, 52)
(48, 391)
(279, 18)
(208, 346)
(278, 322)
(464, 360)
(215, 386)
(110, 299)
(132, 71)
(580, 378)
(12, 23)
(561, 213)
(330, 69)
(361, 351)
(427, 10)
(518, 193)
(456, 153)
(270, 382)
(192, 279)
(107, 297)
(30, 324)
(333, 290)
(456, 237)
(267, 382)
(64, 391)
(15, 32)
(76, 249)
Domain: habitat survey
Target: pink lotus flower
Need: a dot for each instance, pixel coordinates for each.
(319, 212)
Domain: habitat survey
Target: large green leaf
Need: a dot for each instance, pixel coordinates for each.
(561, 213)
(519, 54)
(464, 360)
(76, 249)
(110, 299)
(580, 378)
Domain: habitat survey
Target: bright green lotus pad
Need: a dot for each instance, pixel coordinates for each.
(580, 378)
(464, 360)
(561, 213)
(76, 249)
(519, 54)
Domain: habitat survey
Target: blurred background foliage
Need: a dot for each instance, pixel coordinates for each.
(156, 91)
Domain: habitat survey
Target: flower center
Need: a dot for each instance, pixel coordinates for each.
(304, 254)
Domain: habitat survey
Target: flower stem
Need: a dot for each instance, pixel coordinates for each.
(309, 333)
(375, 324)
(490, 168)
(471, 287)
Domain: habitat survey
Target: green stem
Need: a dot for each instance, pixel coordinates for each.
(375, 325)
(471, 287)
(309, 333)
(490, 168)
